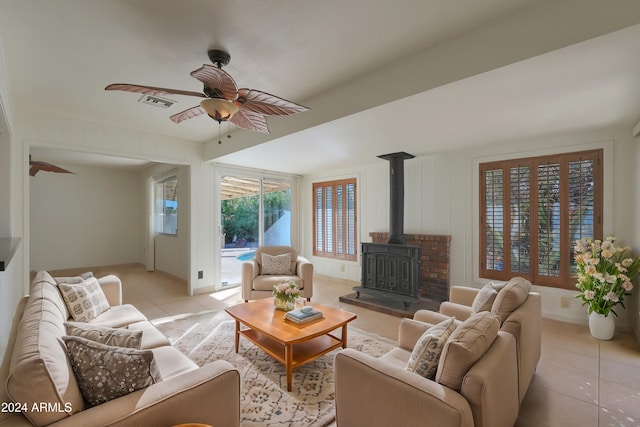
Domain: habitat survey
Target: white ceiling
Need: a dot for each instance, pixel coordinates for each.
(422, 76)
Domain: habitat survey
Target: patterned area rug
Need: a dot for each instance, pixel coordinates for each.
(209, 336)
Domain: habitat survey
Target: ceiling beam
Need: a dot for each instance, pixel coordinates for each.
(542, 27)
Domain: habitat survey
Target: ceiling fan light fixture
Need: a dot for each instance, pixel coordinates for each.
(220, 109)
(223, 100)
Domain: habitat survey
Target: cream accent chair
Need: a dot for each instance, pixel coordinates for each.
(256, 285)
(520, 312)
(380, 392)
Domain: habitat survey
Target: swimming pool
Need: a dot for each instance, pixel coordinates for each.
(247, 256)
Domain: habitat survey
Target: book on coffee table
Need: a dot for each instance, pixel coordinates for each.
(303, 315)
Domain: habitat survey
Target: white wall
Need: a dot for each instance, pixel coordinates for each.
(45, 130)
(634, 195)
(11, 290)
(13, 279)
(430, 208)
(441, 197)
(90, 218)
(5, 177)
(170, 253)
(5, 151)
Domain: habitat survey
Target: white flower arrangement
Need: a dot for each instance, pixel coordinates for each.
(605, 273)
(286, 291)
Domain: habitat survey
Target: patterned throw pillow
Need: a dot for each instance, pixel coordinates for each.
(118, 337)
(278, 264)
(84, 300)
(105, 372)
(426, 353)
(74, 279)
(484, 299)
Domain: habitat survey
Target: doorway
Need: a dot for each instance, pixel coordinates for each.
(254, 211)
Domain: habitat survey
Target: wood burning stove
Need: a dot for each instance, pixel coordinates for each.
(392, 269)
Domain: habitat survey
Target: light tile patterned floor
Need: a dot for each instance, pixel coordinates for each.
(580, 381)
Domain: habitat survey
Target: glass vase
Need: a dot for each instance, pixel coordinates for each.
(284, 304)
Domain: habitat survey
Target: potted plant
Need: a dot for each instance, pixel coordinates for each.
(605, 273)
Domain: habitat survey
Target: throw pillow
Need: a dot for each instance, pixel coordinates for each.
(84, 300)
(510, 297)
(276, 264)
(73, 279)
(498, 285)
(426, 353)
(465, 347)
(484, 299)
(117, 337)
(106, 372)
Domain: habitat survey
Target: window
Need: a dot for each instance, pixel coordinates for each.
(166, 206)
(334, 220)
(531, 212)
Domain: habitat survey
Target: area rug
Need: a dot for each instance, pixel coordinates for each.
(264, 401)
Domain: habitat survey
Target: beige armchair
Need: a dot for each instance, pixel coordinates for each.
(372, 392)
(520, 312)
(273, 265)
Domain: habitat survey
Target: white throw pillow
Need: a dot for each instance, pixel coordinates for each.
(484, 299)
(426, 353)
(276, 264)
(85, 301)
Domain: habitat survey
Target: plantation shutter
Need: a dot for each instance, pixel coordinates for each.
(494, 220)
(531, 212)
(335, 219)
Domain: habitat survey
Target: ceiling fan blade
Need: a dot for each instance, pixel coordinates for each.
(267, 104)
(188, 114)
(150, 90)
(250, 120)
(37, 166)
(217, 79)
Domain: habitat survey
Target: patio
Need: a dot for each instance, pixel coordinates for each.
(231, 264)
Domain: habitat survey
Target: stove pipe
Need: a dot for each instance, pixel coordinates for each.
(396, 195)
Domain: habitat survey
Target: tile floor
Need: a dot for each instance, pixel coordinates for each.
(579, 381)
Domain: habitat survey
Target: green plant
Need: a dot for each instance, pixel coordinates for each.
(605, 273)
(240, 218)
(240, 215)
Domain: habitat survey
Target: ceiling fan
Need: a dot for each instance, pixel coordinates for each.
(37, 166)
(245, 108)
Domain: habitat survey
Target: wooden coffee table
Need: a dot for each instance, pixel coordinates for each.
(287, 342)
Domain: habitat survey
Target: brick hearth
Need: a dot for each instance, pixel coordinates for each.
(434, 266)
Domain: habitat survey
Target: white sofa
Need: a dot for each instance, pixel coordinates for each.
(40, 379)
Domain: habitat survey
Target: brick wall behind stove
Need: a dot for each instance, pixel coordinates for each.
(434, 265)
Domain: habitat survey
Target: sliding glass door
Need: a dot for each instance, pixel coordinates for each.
(276, 208)
(254, 211)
